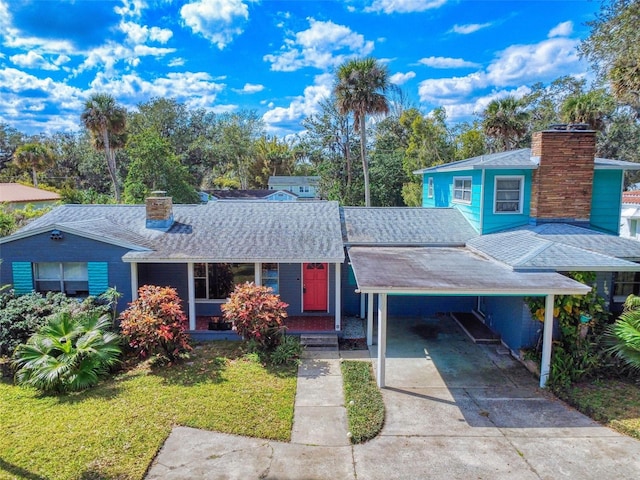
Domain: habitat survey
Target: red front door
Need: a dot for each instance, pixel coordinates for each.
(315, 285)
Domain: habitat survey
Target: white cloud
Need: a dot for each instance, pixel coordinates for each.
(446, 62)
(322, 45)
(219, 21)
(138, 34)
(303, 105)
(469, 28)
(515, 66)
(249, 88)
(403, 6)
(198, 88)
(131, 8)
(61, 60)
(401, 78)
(108, 55)
(563, 29)
(33, 60)
(176, 62)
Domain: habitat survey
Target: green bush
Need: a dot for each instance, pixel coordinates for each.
(70, 352)
(287, 352)
(365, 407)
(624, 335)
(22, 315)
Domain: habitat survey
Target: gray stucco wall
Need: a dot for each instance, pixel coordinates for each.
(71, 248)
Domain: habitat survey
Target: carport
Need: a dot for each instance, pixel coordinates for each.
(436, 271)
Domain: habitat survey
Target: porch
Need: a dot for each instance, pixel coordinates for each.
(295, 324)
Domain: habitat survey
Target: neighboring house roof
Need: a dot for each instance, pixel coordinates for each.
(630, 211)
(448, 271)
(18, 193)
(559, 247)
(245, 194)
(517, 159)
(213, 232)
(631, 197)
(405, 226)
(293, 180)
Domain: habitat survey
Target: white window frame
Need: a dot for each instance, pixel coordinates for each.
(430, 187)
(463, 190)
(520, 178)
(63, 278)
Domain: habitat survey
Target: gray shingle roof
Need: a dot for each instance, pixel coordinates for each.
(405, 226)
(217, 232)
(558, 247)
(520, 159)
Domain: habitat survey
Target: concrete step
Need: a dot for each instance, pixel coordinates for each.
(319, 341)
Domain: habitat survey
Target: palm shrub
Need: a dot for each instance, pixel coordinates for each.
(155, 324)
(69, 353)
(257, 314)
(624, 335)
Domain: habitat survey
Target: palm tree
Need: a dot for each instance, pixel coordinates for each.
(69, 353)
(624, 334)
(35, 156)
(505, 121)
(591, 108)
(360, 89)
(106, 121)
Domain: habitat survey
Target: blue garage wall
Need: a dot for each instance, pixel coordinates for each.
(409, 305)
(71, 248)
(510, 317)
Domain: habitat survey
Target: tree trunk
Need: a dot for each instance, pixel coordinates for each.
(365, 163)
(111, 164)
(35, 176)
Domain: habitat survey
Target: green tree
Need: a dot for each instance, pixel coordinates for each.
(10, 139)
(468, 140)
(272, 157)
(387, 172)
(613, 48)
(155, 167)
(624, 334)
(360, 89)
(505, 123)
(429, 144)
(35, 156)
(106, 120)
(593, 108)
(328, 145)
(543, 102)
(70, 352)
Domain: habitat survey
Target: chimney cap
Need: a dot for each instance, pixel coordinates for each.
(158, 193)
(570, 127)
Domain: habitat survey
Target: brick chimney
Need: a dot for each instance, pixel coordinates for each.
(159, 211)
(562, 184)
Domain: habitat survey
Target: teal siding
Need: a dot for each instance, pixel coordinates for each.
(22, 277)
(494, 222)
(98, 273)
(606, 200)
(443, 194)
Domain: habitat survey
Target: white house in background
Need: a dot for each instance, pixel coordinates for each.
(630, 215)
(303, 187)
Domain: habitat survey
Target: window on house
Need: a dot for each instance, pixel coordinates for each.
(430, 188)
(625, 284)
(71, 278)
(304, 188)
(508, 197)
(462, 190)
(270, 276)
(216, 281)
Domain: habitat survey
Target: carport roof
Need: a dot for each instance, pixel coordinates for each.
(449, 271)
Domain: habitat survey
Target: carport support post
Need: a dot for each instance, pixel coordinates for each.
(547, 340)
(382, 337)
(369, 319)
(134, 281)
(191, 293)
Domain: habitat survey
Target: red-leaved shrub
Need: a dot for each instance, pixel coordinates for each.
(155, 324)
(257, 314)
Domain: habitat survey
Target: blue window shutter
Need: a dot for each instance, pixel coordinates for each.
(98, 273)
(22, 277)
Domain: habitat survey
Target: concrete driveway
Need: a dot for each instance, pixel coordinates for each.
(454, 410)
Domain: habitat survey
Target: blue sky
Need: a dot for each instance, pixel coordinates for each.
(277, 57)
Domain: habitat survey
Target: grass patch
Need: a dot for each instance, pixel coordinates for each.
(615, 403)
(365, 408)
(115, 429)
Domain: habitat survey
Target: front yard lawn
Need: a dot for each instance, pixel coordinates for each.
(614, 403)
(115, 429)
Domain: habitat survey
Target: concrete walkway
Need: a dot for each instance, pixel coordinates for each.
(454, 410)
